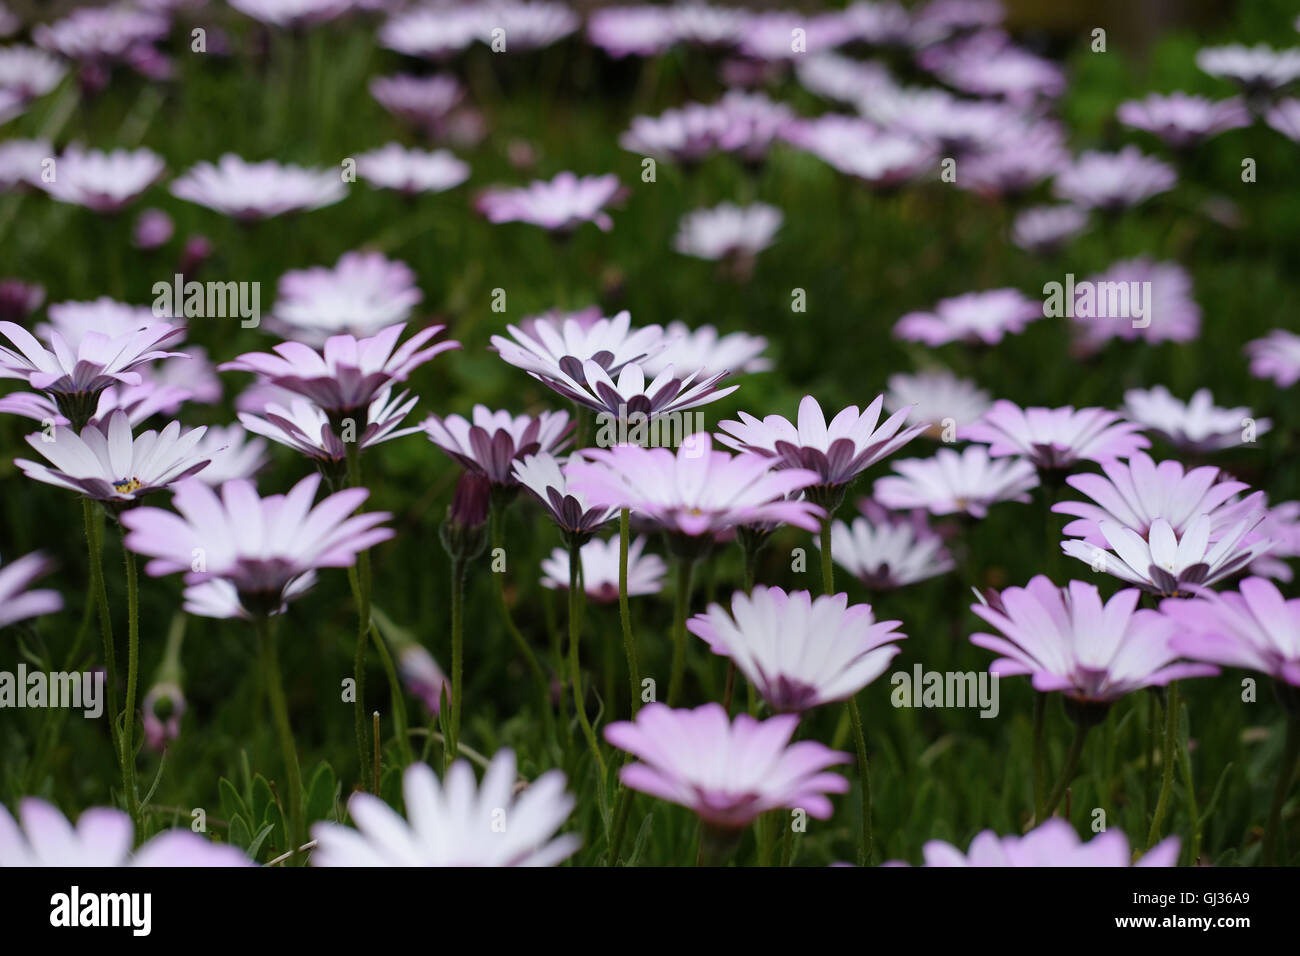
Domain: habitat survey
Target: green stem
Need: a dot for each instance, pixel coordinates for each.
(1167, 761)
(280, 715)
(622, 810)
(576, 597)
(457, 657)
(399, 701)
(1067, 771)
(95, 547)
(864, 771)
(828, 568)
(362, 596)
(496, 517)
(132, 679)
(681, 607)
(1039, 768)
(624, 615)
(1290, 758)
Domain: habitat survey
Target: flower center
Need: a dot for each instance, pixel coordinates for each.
(127, 485)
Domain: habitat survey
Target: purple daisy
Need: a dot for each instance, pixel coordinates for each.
(492, 442)
(1181, 120)
(600, 569)
(974, 318)
(560, 204)
(103, 182)
(1254, 627)
(1276, 356)
(17, 603)
(363, 293)
(968, 482)
(251, 191)
(1114, 181)
(1055, 438)
(1052, 843)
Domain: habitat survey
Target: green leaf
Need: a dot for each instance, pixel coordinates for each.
(256, 845)
(642, 838)
(263, 797)
(232, 804)
(239, 835)
(322, 793)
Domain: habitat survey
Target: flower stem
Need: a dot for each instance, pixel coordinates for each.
(95, 548)
(1167, 761)
(362, 596)
(132, 678)
(864, 771)
(1039, 769)
(280, 714)
(496, 517)
(1290, 758)
(685, 568)
(576, 597)
(457, 657)
(828, 568)
(624, 615)
(1067, 771)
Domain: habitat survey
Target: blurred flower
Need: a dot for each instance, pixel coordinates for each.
(1113, 181)
(974, 318)
(1067, 640)
(423, 101)
(1284, 116)
(631, 30)
(422, 676)
(1047, 228)
(767, 35)
(727, 772)
(192, 372)
(27, 72)
(17, 603)
(104, 182)
(218, 598)
(431, 32)
(1055, 438)
(1052, 843)
(951, 125)
(153, 228)
(1254, 627)
(1195, 426)
(1256, 69)
(412, 171)
(22, 162)
(344, 378)
(231, 453)
(1013, 168)
(1181, 120)
(161, 712)
(293, 14)
(996, 69)
(306, 428)
(363, 293)
(600, 569)
(934, 398)
(19, 299)
(560, 204)
(941, 19)
(198, 249)
(527, 26)
(1281, 525)
(1276, 356)
(259, 545)
(42, 836)
(1172, 314)
(704, 351)
(952, 483)
(455, 823)
(842, 78)
(492, 442)
(104, 316)
(886, 551)
(745, 124)
(251, 191)
(98, 34)
(9, 22)
(797, 651)
(110, 465)
(727, 231)
(696, 491)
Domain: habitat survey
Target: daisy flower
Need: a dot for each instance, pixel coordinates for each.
(886, 551)
(1257, 69)
(952, 482)
(631, 30)
(1052, 843)
(72, 320)
(975, 318)
(251, 191)
(231, 453)
(1197, 425)
(1172, 314)
(492, 442)
(1047, 228)
(455, 823)
(27, 72)
(1276, 356)
(432, 32)
(103, 182)
(363, 293)
(412, 171)
(600, 569)
(218, 598)
(528, 26)
(552, 350)
(19, 299)
(293, 14)
(304, 427)
(630, 395)
(1284, 116)
(424, 101)
(99, 34)
(1254, 628)
(543, 475)
(560, 204)
(17, 603)
(1113, 181)
(1182, 120)
(727, 231)
(797, 651)
(703, 350)
(727, 772)
(935, 399)
(1055, 438)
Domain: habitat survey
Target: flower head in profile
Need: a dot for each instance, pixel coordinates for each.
(17, 603)
(727, 772)
(1048, 228)
(1276, 356)
(696, 491)
(251, 191)
(704, 350)
(882, 158)
(1068, 640)
(885, 550)
(27, 72)
(978, 318)
(218, 598)
(1170, 310)
(259, 545)
(493, 442)
(153, 228)
(110, 465)
(160, 714)
(797, 651)
(454, 822)
(548, 480)
(293, 14)
(632, 396)
(101, 34)
(412, 171)
(432, 32)
(423, 101)
(555, 349)
(345, 376)
(363, 293)
(967, 482)
(43, 836)
(600, 569)
(304, 427)
(1257, 69)
(1114, 181)
(727, 231)
(1055, 438)
(1033, 155)
(1254, 627)
(1182, 120)
(1052, 843)
(103, 182)
(1197, 425)
(936, 399)
(838, 452)
(72, 320)
(560, 204)
(1283, 116)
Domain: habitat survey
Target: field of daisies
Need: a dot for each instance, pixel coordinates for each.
(508, 434)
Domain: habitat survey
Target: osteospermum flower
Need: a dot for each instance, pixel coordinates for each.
(975, 318)
(703, 350)
(1197, 425)
(43, 836)
(727, 772)
(17, 603)
(600, 569)
(260, 545)
(1284, 117)
(492, 442)
(412, 171)
(551, 350)
(432, 32)
(528, 26)
(99, 34)
(1182, 120)
(1013, 168)
(886, 551)
(695, 491)
(1276, 356)
(306, 428)
(251, 191)
(1052, 843)
(425, 101)
(543, 475)
(1113, 181)
(363, 293)
(1257, 69)
(1171, 312)
(112, 466)
(293, 14)
(951, 125)
(797, 651)
(936, 399)
(455, 823)
(1055, 438)
(27, 72)
(880, 157)
(19, 299)
(966, 482)
(1068, 640)
(1004, 70)
(348, 373)
(727, 231)
(838, 452)
(104, 182)
(72, 320)
(1254, 627)
(231, 453)
(631, 30)
(218, 598)
(1047, 228)
(153, 228)
(560, 204)
(630, 395)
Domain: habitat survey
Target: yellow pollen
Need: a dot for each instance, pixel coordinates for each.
(127, 485)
